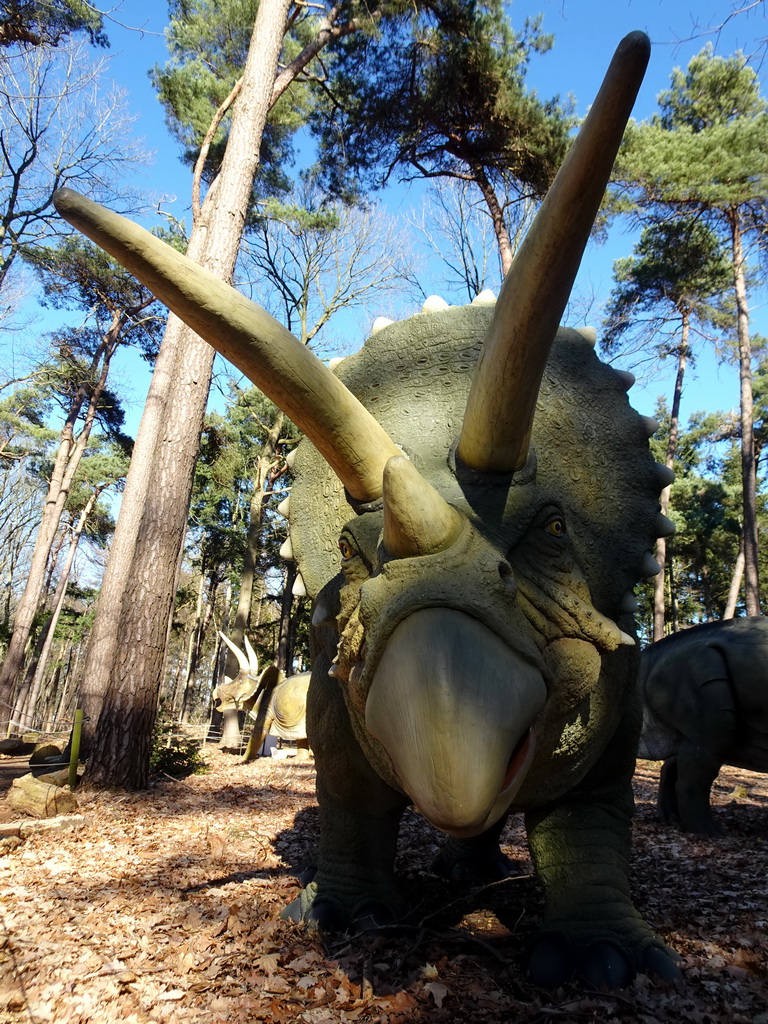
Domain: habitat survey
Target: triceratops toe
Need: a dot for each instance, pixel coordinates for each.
(321, 912)
(662, 963)
(551, 963)
(555, 961)
(606, 966)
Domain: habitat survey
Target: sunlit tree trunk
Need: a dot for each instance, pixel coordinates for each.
(736, 578)
(659, 611)
(748, 460)
(41, 664)
(120, 747)
(497, 219)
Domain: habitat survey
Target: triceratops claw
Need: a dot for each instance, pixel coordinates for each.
(328, 914)
(603, 964)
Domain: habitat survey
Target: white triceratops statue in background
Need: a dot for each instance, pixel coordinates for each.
(277, 702)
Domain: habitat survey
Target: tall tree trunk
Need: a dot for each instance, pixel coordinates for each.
(673, 609)
(41, 662)
(659, 613)
(66, 703)
(68, 456)
(283, 653)
(120, 746)
(103, 641)
(736, 578)
(748, 460)
(497, 219)
(263, 481)
(192, 649)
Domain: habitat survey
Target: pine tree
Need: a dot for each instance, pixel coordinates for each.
(706, 154)
(676, 277)
(31, 23)
(444, 96)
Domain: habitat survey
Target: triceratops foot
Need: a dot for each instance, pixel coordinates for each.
(602, 964)
(326, 913)
(463, 862)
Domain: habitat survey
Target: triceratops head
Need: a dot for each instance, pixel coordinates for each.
(489, 489)
(242, 691)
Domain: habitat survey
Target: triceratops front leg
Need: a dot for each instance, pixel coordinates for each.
(581, 848)
(354, 885)
(475, 861)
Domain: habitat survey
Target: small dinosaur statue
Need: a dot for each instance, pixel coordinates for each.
(705, 704)
(277, 703)
(475, 502)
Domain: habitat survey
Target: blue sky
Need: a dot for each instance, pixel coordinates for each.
(586, 33)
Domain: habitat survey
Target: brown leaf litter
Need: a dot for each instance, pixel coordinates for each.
(164, 906)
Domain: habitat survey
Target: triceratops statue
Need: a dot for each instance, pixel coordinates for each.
(277, 703)
(474, 505)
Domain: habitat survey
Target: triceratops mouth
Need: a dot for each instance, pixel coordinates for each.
(453, 707)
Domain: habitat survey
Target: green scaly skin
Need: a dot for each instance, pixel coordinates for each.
(538, 571)
(705, 705)
(581, 848)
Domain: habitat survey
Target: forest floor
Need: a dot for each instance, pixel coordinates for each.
(164, 906)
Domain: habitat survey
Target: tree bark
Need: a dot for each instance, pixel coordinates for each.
(262, 482)
(748, 460)
(120, 747)
(659, 613)
(193, 648)
(103, 642)
(283, 654)
(736, 578)
(497, 218)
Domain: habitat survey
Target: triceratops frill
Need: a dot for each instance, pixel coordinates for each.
(494, 502)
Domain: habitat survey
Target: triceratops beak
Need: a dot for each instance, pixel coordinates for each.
(496, 431)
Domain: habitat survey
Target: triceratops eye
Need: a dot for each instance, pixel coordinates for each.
(346, 549)
(555, 526)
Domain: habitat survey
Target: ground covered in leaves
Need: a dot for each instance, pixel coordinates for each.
(165, 906)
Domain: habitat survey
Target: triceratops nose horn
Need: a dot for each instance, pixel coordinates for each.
(496, 432)
(417, 520)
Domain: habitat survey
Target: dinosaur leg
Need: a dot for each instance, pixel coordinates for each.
(255, 743)
(697, 769)
(302, 750)
(700, 708)
(667, 798)
(475, 861)
(707, 738)
(581, 848)
(354, 884)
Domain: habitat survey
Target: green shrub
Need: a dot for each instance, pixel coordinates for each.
(178, 759)
(169, 756)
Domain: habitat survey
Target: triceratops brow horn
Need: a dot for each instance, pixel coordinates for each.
(347, 435)
(242, 660)
(495, 435)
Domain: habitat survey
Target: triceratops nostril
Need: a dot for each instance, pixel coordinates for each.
(506, 574)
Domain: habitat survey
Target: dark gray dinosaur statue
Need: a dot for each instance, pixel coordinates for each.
(277, 703)
(705, 704)
(489, 502)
